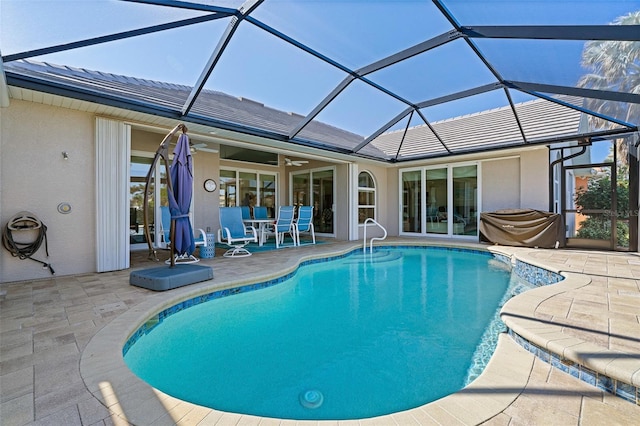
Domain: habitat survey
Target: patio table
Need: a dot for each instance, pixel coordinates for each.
(262, 228)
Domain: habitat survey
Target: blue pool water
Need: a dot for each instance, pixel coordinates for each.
(344, 339)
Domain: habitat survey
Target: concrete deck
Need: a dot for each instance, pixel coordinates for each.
(61, 342)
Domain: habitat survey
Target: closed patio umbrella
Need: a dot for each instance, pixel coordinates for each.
(179, 193)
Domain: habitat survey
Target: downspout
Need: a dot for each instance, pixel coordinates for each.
(634, 194)
(552, 165)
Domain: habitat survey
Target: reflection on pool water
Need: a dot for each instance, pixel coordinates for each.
(350, 338)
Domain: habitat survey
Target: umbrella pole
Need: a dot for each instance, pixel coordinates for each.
(162, 153)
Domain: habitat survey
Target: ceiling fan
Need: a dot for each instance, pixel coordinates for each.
(297, 163)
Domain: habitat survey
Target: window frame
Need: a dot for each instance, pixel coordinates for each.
(258, 193)
(367, 190)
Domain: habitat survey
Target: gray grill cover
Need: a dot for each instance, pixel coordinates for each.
(522, 228)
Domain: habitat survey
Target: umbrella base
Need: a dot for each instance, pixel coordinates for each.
(162, 278)
(182, 259)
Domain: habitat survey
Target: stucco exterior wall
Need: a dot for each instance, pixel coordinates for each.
(341, 198)
(516, 182)
(35, 177)
(534, 179)
(393, 203)
(501, 184)
(206, 165)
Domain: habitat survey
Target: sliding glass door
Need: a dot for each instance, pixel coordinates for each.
(465, 200)
(316, 188)
(411, 201)
(437, 201)
(440, 200)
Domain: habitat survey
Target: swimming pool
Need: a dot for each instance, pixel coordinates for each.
(350, 338)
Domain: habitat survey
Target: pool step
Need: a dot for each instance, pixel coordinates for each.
(378, 256)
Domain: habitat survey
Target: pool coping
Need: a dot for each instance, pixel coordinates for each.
(606, 369)
(107, 377)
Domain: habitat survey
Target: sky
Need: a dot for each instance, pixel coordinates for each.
(355, 33)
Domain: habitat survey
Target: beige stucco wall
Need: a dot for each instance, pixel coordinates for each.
(35, 177)
(516, 182)
(501, 184)
(206, 165)
(534, 179)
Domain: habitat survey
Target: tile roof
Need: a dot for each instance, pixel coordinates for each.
(492, 129)
(540, 119)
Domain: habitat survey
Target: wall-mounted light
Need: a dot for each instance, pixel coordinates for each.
(65, 155)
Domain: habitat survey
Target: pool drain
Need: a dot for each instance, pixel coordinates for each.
(311, 398)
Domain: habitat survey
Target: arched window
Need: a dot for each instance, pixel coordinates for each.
(366, 197)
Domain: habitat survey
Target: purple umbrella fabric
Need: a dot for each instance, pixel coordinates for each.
(181, 172)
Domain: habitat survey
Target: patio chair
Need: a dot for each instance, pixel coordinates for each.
(432, 214)
(234, 233)
(165, 237)
(284, 224)
(260, 212)
(304, 223)
(246, 213)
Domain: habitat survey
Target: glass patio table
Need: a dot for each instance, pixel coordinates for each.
(262, 225)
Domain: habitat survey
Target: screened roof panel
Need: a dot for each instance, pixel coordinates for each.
(389, 142)
(421, 142)
(294, 84)
(538, 12)
(605, 109)
(468, 105)
(543, 61)
(351, 109)
(373, 152)
(415, 120)
(336, 74)
(174, 63)
(457, 134)
(487, 128)
(543, 119)
(354, 33)
(57, 21)
(452, 67)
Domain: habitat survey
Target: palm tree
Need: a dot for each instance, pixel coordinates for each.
(615, 66)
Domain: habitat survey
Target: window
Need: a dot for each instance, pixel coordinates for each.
(366, 197)
(240, 188)
(248, 155)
